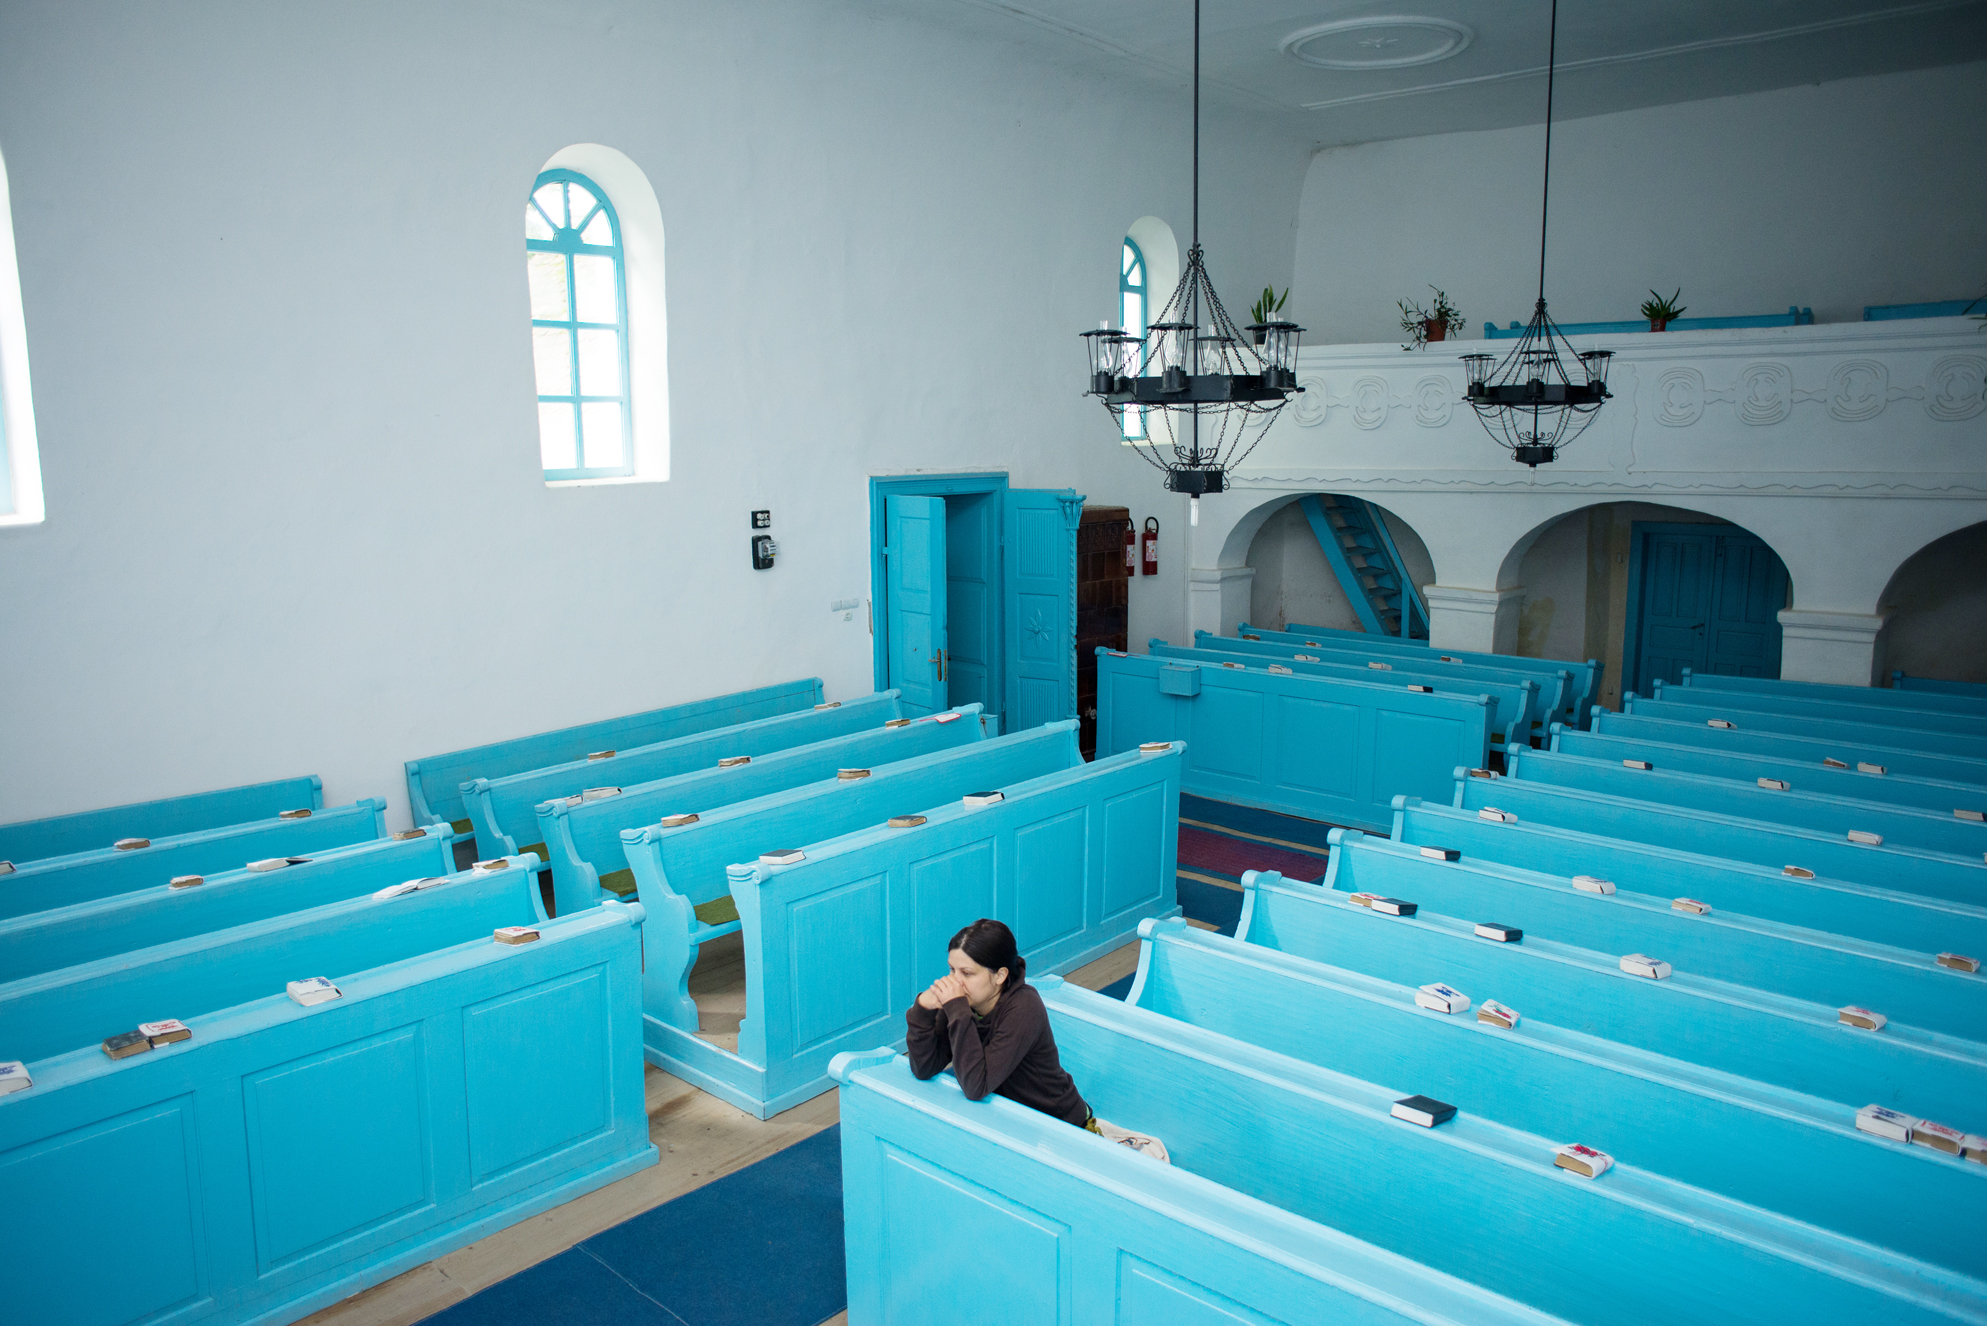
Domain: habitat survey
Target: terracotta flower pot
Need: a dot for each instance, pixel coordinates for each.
(1433, 329)
(1659, 324)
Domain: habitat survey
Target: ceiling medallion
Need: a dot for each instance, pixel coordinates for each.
(1208, 382)
(1391, 42)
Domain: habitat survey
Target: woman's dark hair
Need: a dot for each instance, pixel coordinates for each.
(991, 944)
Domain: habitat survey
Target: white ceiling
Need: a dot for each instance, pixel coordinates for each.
(1351, 71)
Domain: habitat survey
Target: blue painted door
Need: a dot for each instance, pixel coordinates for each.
(972, 577)
(1038, 557)
(914, 561)
(1707, 598)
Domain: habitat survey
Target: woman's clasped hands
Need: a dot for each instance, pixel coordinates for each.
(942, 990)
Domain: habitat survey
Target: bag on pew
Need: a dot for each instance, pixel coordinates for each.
(1125, 1137)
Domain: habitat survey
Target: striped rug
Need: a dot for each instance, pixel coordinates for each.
(1219, 841)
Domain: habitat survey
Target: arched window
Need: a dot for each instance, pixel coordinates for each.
(20, 459)
(579, 328)
(1131, 294)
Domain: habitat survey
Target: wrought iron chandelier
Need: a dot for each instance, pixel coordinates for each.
(1209, 383)
(1535, 402)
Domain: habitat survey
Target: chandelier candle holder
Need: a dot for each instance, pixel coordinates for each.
(1543, 393)
(1213, 387)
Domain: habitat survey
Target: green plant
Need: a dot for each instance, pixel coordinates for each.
(1415, 319)
(1658, 309)
(1268, 305)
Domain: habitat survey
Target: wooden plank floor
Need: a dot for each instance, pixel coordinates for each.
(701, 1139)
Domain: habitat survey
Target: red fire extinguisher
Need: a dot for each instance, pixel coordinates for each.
(1150, 544)
(1131, 555)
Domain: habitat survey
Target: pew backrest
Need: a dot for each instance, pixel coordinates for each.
(1586, 687)
(1848, 732)
(1905, 920)
(434, 782)
(504, 811)
(1870, 697)
(1656, 1112)
(1558, 687)
(61, 881)
(1752, 798)
(72, 1008)
(1972, 690)
(1518, 704)
(1824, 710)
(1312, 746)
(1868, 749)
(1708, 833)
(844, 940)
(62, 835)
(1935, 794)
(65, 936)
(1829, 969)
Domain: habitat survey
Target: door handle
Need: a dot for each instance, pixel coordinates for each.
(938, 661)
(1698, 627)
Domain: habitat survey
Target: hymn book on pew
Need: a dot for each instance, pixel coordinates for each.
(1423, 1110)
(312, 991)
(1958, 962)
(1691, 905)
(1641, 964)
(1775, 784)
(1503, 934)
(293, 814)
(1866, 838)
(1797, 872)
(676, 821)
(6, 867)
(185, 881)
(1442, 853)
(408, 835)
(409, 886)
(1491, 1013)
(851, 775)
(1637, 764)
(131, 844)
(782, 856)
(1938, 1137)
(1496, 816)
(906, 821)
(1862, 767)
(1485, 773)
(1854, 1016)
(14, 1076)
(515, 934)
(1583, 1160)
(165, 1032)
(977, 799)
(1976, 816)
(1829, 761)
(1881, 1122)
(1393, 906)
(1442, 998)
(1974, 1148)
(494, 863)
(127, 1043)
(1593, 884)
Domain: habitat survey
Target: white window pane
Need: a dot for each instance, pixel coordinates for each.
(553, 199)
(599, 230)
(552, 354)
(600, 426)
(534, 224)
(593, 288)
(1128, 261)
(600, 363)
(555, 436)
(1134, 421)
(581, 203)
(548, 285)
(1134, 313)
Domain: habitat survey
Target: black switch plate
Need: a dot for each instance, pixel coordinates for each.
(762, 520)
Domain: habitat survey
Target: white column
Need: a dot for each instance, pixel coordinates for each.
(1218, 599)
(1838, 647)
(1483, 621)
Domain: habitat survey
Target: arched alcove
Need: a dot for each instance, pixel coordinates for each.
(1936, 605)
(1649, 590)
(1297, 581)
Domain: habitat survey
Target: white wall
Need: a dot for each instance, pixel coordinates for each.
(273, 278)
(1831, 196)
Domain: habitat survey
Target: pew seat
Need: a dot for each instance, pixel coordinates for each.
(1869, 747)
(83, 831)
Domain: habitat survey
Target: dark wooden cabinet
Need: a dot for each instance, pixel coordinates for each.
(1102, 602)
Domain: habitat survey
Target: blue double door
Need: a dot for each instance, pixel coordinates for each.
(978, 601)
(1703, 597)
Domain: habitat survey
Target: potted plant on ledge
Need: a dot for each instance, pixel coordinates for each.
(1425, 325)
(1266, 307)
(1660, 311)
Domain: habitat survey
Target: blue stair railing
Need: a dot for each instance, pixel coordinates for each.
(1362, 554)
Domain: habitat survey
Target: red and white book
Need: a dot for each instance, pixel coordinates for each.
(1583, 1160)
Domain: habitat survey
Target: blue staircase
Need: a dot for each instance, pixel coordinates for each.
(1368, 565)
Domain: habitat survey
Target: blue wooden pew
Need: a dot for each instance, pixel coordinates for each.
(1831, 745)
(1972, 690)
(285, 1158)
(504, 811)
(1792, 1043)
(434, 782)
(1886, 916)
(1072, 1229)
(102, 927)
(1312, 746)
(1825, 812)
(838, 945)
(1586, 687)
(1648, 1111)
(1904, 869)
(1870, 697)
(583, 839)
(1934, 794)
(1903, 719)
(1518, 704)
(1905, 985)
(1705, 711)
(1473, 1197)
(62, 881)
(681, 869)
(63, 835)
(1557, 687)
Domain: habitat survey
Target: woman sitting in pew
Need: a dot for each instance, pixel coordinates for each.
(985, 1020)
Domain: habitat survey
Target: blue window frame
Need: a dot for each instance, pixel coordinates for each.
(579, 328)
(1131, 296)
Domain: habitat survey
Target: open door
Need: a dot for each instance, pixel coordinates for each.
(1038, 559)
(914, 562)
